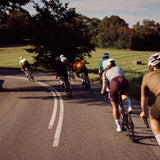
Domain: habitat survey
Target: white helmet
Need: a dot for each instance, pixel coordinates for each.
(63, 59)
(110, 61)
(154, 59)
(105, 55)
(77, 59)
(20, 57)
(61, 55)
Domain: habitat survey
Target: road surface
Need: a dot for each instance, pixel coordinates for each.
(39, 122)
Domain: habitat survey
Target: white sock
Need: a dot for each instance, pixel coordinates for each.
(118, 122)
(61, 81)
(158, 138)
(81, 79)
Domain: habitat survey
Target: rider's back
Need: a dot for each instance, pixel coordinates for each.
(151, 81)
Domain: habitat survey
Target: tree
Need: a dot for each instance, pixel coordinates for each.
(109, 30)
(12, 4)
(58, 30)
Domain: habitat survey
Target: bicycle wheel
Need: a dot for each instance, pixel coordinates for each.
(130, 127)
(30, 77)
(68, 90)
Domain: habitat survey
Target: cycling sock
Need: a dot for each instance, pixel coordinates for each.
(127, 102)
(81, 79)
(61, 81)
(118, 122)
(158, 138)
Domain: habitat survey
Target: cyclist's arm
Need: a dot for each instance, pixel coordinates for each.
(144, 104)
(144, 97)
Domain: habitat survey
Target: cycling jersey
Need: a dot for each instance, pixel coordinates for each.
(61, 69)
(113, 72)
(78, 64)
(22, 61)
(102, 65)
(150, 83)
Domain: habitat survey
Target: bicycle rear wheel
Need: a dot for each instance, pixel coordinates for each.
(68, 90)
(130, 127)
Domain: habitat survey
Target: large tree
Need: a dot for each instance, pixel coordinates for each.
(57, 30)
(109, 30)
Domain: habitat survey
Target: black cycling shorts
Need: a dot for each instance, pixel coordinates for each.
(82, 69)
(26, 65)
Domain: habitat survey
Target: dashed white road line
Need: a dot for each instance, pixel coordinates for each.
(55, 93)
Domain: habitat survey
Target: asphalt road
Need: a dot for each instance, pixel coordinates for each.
(39, 122)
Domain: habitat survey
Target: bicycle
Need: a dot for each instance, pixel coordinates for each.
(71, 75)
(85, 83)
(106, 96)
(146, 121)
(125, 119)
(29, 75)
(67, 87)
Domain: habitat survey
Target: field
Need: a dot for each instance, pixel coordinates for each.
(9, 58)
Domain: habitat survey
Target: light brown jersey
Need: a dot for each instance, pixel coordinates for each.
(151, 82)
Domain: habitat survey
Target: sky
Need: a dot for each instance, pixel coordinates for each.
(132, 11)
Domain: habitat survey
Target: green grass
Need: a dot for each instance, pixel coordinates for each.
(9, 58)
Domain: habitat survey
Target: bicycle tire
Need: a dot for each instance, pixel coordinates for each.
(130, 127)
(146, 121)
(67, 89)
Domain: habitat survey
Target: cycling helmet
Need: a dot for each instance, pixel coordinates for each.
(57, 58)
(110, 61)
(61, 55)
(105, 55)
(20, 57)
(77, 59)
(63, 59)
(154, 59)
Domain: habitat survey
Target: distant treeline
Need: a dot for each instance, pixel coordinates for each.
(15, 27)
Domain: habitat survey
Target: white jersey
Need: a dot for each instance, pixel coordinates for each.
(113, 73)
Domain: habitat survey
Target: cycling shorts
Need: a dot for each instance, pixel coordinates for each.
(155, 109)
(26, 65)
(63, 74)
(82, 69)
(116, 84)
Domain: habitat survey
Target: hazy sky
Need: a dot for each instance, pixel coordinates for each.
(131, 11)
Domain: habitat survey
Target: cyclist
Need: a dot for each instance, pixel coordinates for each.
(25, 66)
(114, 75)
(150, 83)
(61, 71)
(79, 67)
(66, 61)
(102, 65)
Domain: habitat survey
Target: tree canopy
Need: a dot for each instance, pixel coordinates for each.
(57, 30)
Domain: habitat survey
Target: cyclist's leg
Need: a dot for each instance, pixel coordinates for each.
(155, 119)
(114, 98)
(79, 70)
(155, 126)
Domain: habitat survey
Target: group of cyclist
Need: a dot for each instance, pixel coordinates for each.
(63, 66)
(112, 79)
